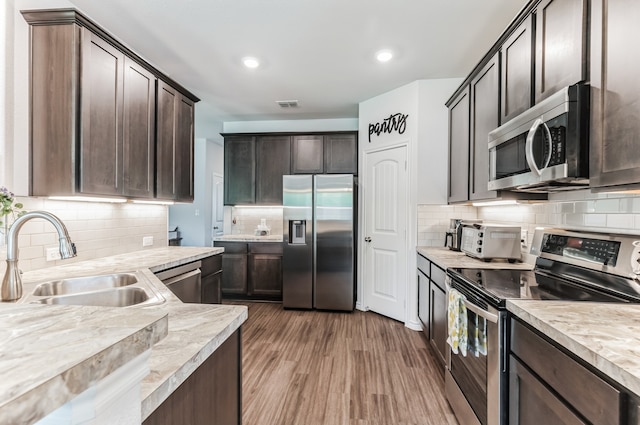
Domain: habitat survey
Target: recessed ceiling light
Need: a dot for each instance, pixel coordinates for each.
(384, 55)
(251, 62)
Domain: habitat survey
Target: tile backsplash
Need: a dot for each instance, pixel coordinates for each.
(97, 229)
(602, 212)
(244, 220)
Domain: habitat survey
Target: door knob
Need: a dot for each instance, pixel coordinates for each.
(367, 239)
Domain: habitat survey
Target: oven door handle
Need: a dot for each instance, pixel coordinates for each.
(493, 318)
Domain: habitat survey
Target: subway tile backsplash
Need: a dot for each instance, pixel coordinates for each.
(245, 220)
(603, 212)
(97, 229)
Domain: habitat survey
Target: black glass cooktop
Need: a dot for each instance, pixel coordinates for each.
(496, 286)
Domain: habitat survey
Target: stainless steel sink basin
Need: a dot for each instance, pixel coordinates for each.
(85, 284)
(115, 297)
(108, 290)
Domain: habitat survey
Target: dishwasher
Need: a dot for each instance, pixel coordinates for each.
(184, 281)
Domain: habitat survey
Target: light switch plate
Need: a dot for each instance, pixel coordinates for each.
(147, 241)
(53, 254)
(523, 238)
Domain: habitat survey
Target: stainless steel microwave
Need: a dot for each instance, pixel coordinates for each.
(544, 149)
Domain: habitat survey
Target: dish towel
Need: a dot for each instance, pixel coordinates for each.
(457, 322)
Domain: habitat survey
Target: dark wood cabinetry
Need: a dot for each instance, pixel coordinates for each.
(485, 117)
(252, 270)
(211, 395)
(174, 145)
(459, 148)
(239, 170)
(93, 110)
(516, 71)
(211, 277)
(273, 160)
(340, 154)
(307, 154)
(615, 95)
(544, 378)
(432, 307)
(561, 45)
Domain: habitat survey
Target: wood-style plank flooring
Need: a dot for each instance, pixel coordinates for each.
(312, 368)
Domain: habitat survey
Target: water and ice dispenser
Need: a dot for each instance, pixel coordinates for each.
(297, 231)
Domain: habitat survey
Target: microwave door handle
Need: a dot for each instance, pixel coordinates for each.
(528, 147)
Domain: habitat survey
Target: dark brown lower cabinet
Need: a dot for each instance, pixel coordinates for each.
(212, 395)
(548, 385)
(211, 276)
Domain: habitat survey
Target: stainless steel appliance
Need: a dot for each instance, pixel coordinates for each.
(184, 281)
(453, 236)
(570, 265)
(489, 241)
(544, 149)
(318, 248)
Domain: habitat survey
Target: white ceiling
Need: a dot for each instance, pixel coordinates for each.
(319, 52)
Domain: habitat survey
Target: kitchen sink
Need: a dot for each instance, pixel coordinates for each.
(85, 284)
(115, 297)
(108, 290)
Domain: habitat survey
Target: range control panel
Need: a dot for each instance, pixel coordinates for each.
(599, 251)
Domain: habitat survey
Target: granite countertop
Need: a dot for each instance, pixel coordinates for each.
(445, 258)
(248, 238)
(193, 332)
(604, 335)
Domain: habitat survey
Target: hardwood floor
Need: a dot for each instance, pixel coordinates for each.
(320, 368)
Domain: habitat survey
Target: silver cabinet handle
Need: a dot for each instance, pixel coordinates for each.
(528, 147)
(480, 312)
(367, 239)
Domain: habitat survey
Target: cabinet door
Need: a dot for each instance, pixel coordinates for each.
(308, 157)
(459, 148)
(239, 170)
(341, 154)
(265, 275)
(529, 397)
(517, 55)
(615, 94)
(560, 45)
(438, 321)
(184, 149)
(485, 117)
(101, 119)
(273, 160)
(423, 302)
(234, 274)
(212, 289)
(139, 130)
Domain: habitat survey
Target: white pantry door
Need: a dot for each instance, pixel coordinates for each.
(385, 231)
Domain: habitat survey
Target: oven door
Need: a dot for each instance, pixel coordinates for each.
(473, 383)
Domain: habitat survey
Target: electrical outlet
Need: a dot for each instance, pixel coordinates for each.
(197, 212)
(523, 238)
(147, 241)
(53, 254)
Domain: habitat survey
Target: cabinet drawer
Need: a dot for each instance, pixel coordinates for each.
(211, 265)
(232, 247)
(437, 276)
(424, 265)
(266, 248)
(590, 395)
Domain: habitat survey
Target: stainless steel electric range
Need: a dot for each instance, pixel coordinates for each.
(570, 265)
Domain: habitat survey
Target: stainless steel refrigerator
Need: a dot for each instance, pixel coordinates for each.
(319, 227)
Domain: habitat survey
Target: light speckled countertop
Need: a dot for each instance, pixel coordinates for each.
(193, 331)
(248, 238)
(445, 258)
(604, 335)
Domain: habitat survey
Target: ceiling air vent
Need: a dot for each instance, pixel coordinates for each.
(287, 103)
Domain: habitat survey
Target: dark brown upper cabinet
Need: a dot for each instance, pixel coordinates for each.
(340, 154)
(273, 160)
(561, 45)
(175, 161)
(239, 170)
(485, 117)
(459, 147)
(308, 155)
(615, 95)
(93, 111)
(516, 73)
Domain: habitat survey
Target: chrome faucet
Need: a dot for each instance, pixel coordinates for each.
(12, 282)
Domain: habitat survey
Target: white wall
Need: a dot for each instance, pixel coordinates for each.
(342, 124)
(426, 139)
